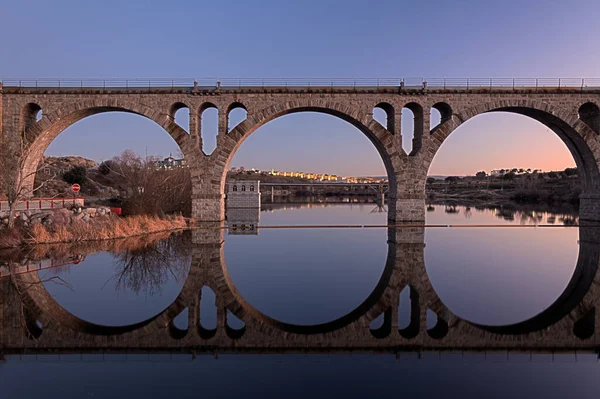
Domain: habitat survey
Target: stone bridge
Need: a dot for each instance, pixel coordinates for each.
(570, 112)
(31, 321)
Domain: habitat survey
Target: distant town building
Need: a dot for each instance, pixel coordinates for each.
(170, 163)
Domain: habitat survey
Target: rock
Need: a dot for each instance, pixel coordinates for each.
(62, 216)
(91, 211)
(24, 217)
(86, 218)
(40, 214)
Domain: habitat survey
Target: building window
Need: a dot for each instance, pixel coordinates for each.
(243, 188)
(234, 188)
(252, 188)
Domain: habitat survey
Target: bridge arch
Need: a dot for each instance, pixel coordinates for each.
(42, 133)
(578, 137)
(377, 134)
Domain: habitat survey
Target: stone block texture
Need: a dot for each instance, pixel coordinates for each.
(571, 114)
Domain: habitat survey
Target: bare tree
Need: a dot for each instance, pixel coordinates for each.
(16, 178)
(146, 269)
(149, 188)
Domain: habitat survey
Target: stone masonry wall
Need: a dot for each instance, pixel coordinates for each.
(407, 170)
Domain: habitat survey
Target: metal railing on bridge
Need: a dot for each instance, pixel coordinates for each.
(239, 83)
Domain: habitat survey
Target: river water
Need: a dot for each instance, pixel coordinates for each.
(326, 308)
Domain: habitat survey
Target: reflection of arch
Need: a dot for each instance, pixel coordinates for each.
(574, 133)
(240, 307)
(579, 285)
(404, 265)
(567, 306)
(40, 302)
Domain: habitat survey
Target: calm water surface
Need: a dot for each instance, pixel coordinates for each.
(313, 276)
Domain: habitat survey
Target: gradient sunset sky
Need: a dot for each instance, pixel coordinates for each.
(150, 39)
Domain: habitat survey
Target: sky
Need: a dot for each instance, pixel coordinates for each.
(325, 38)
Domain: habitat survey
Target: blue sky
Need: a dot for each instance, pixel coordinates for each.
(307, 39)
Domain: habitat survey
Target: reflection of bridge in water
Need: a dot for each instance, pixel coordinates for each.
(33, 322)
(379, 189)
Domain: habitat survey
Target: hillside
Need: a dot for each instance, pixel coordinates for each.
(52, 170)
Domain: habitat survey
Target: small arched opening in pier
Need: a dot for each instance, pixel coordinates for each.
(589, 113)
(384, 114)
(440, 113)
(209, 126)
(180, 114)
(412, 127)
(236, 114)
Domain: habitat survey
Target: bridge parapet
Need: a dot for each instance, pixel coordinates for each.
(340, 85)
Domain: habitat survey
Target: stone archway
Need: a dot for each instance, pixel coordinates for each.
(209, 201)
(582, 142)
(39, 135)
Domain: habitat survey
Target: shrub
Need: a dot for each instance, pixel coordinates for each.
(452, 179)
(570, 171)
(77, 175)
(509, 176)
(106, 167)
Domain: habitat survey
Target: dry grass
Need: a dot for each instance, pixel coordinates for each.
(102, 229)
(66, 250)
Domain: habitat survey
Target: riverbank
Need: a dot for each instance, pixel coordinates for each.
(100, 229)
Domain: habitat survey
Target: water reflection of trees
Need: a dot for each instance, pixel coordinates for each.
(512, 213)
(147, 268)
(143, 263)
